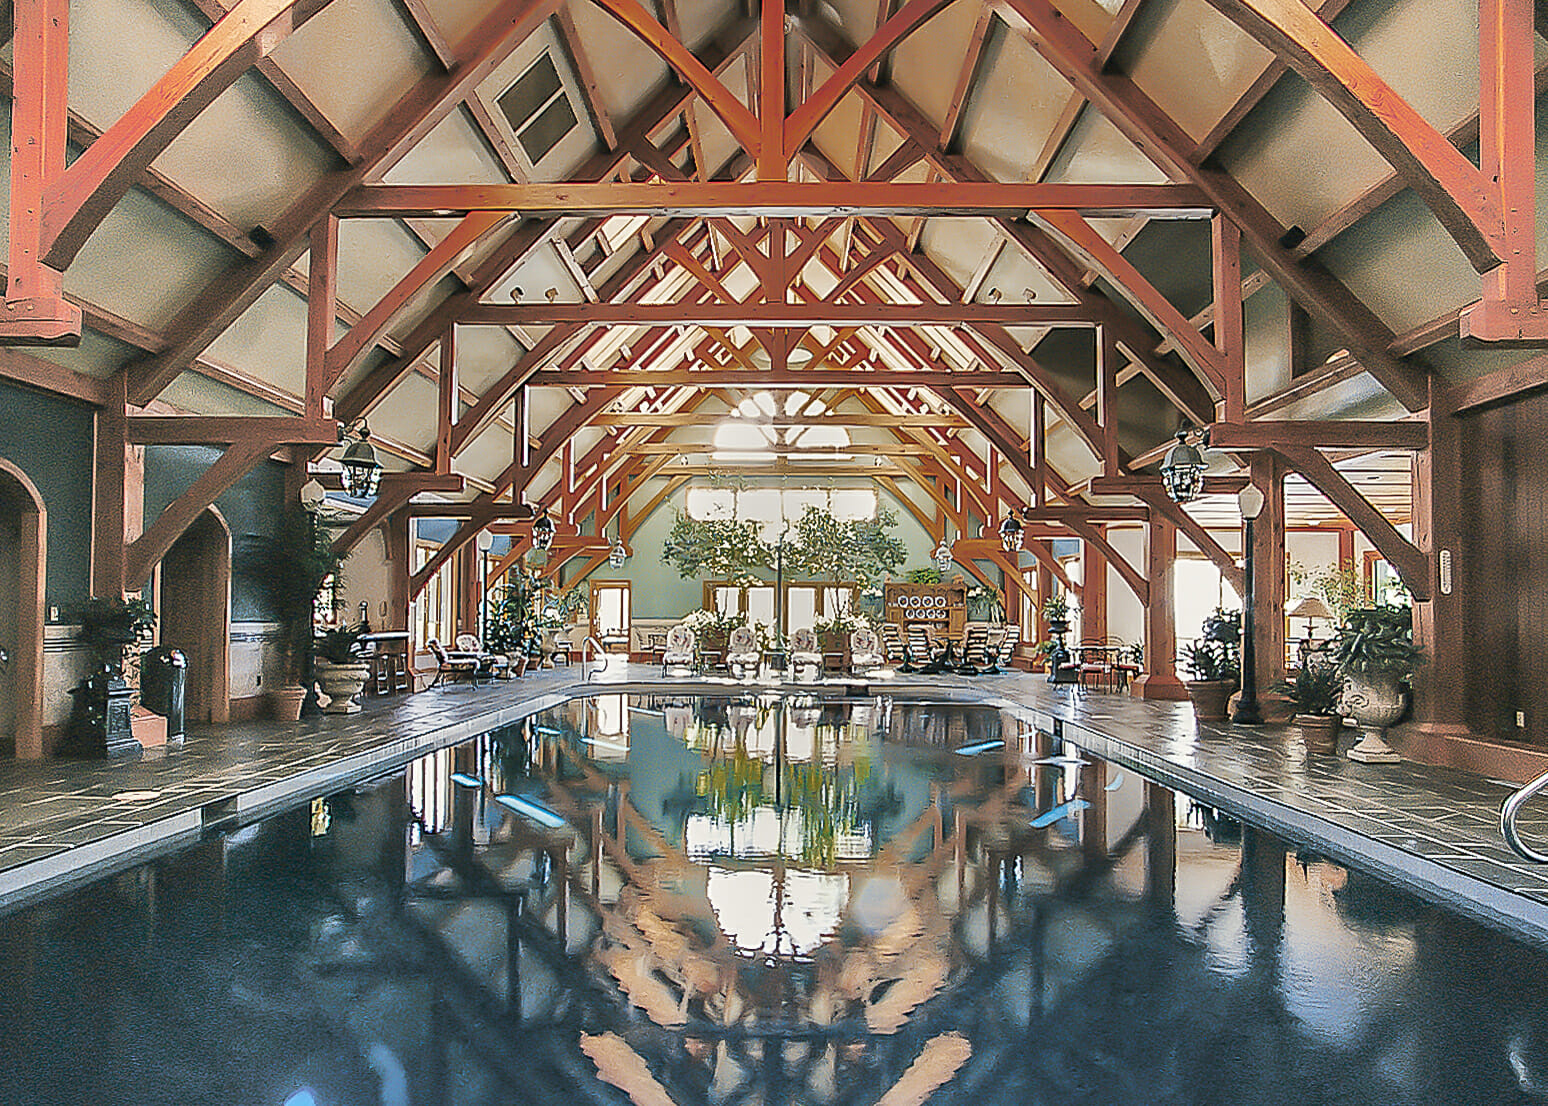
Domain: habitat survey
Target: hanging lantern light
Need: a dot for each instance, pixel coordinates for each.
(1012, 534)
(943, 556)
(617, 555)
(542, 530)
(1182, 473)
(362, 468)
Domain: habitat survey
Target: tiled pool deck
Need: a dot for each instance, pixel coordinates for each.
(1433, 830)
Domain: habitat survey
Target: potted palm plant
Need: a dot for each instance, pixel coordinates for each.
(1375, 654)
(1216, 671)
(100, 719)
(341, 669)
(290, 567)
(1315, 692)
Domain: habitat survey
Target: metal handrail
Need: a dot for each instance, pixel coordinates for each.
(601, 652)
(1508, 814)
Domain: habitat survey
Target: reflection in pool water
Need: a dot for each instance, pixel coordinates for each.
(760, 901)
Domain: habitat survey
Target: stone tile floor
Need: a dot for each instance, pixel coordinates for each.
(1434, 830)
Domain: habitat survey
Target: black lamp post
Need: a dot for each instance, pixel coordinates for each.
(1247, 713)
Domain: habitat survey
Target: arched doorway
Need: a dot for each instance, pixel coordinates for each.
(193, 599)
(23, 525)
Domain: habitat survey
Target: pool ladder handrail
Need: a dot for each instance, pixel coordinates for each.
(1508, 814)
(601, 652)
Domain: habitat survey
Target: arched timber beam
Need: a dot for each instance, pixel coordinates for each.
(802, 122)
(80, 199)
(742, 124)
(415, 114)
(1142, 120)
(1461, 198)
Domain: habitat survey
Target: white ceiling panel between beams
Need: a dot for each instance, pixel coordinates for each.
(96, 356)
(408, 415)
(1193, 61)
(628, 70)
(202, 396)
(456, 18)
(484, 354)
(1014, 274)
(373, 255)
(268, 340)
(926, 63)
(146, 262)
(353, 60)
(1010, 112)
(453, 153)
(1097, 152)
(958, 245)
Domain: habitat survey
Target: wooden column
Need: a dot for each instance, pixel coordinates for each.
(35, 311)
(468, 594)
(1044, 590)
(1268, 569)
(1093, 820)
(1160, 679)
(1093, 592)
(1441, 626)
(1226, 255)
(1161, 846)
(398, 539)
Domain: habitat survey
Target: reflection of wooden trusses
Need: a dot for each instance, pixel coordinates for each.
(776, 259)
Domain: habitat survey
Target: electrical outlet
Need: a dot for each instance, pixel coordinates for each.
(1521, 720)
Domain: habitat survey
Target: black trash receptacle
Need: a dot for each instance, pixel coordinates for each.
(164, 686)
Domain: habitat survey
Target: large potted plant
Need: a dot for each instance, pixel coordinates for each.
(1216, 670)
(100, 719)
(511, 626)
(1375, 654)
(341, 669)
(1315, 692)
(289, 568)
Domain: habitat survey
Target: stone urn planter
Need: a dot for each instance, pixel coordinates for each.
(1210, 698)
(1375, 701)
(1319, 732)
(341, 683)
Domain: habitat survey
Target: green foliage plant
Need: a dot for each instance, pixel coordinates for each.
(289, 569)
(927, 575)
(1376, 641)
(1316, 689)
(1056, 608)
(1212, 661)
(716, 548)
(114, 621)
(340, 645)
(854, 549)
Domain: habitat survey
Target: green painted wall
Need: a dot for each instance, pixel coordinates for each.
(251, 507)
(49, 438)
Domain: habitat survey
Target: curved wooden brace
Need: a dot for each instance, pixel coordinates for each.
(1460, 196)
(415, 114)
(1143, 122)
(431, 268)
(805, 119)
(742, 124)
(81, 198)
(145, 551)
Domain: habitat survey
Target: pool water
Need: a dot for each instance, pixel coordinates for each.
(760, 900)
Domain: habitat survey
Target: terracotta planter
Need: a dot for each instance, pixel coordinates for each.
(1210, 698)
(285, 703)
(1319, 731)
(341, 683)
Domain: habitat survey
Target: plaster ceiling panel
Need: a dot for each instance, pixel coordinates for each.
(484, 354)
(1014, 106)
(1069, 455)
(1427, 50)
(1097, 153)
(736, 76)
(374, 254)
(547, 405)
(1266, 341)
(1359, 397)
(856, 17)
(585, 439)
(97, 355)
(201, 395)
(627, 70)
(1271, 155)
(836, 136)
(700, 19)
(455, 18)
(408, 414)
(453, 153)
(354, 60)
(119, 48)
(1093, 17)
(926, 64)
(417, 309)
(1193, 61)
(1015, 274)
(534, 277)
(957, 245)
(268, 340)
(1015, 407)
(146, 262)
(716, 140)
(1402, 264)
(1454, 362)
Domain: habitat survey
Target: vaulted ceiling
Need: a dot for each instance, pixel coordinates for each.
(982, 234)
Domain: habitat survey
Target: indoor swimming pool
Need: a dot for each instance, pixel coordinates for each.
(760, 900)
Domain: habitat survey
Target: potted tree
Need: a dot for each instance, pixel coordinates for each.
(1216, 671)
(510, 627)
(341, 669)
(1315, 693)
(289, 567)
(1375, 654)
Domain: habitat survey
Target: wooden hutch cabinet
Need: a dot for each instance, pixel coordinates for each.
(942, 607)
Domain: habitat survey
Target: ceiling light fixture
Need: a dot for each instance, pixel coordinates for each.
(362, 467)
(1182, 473)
